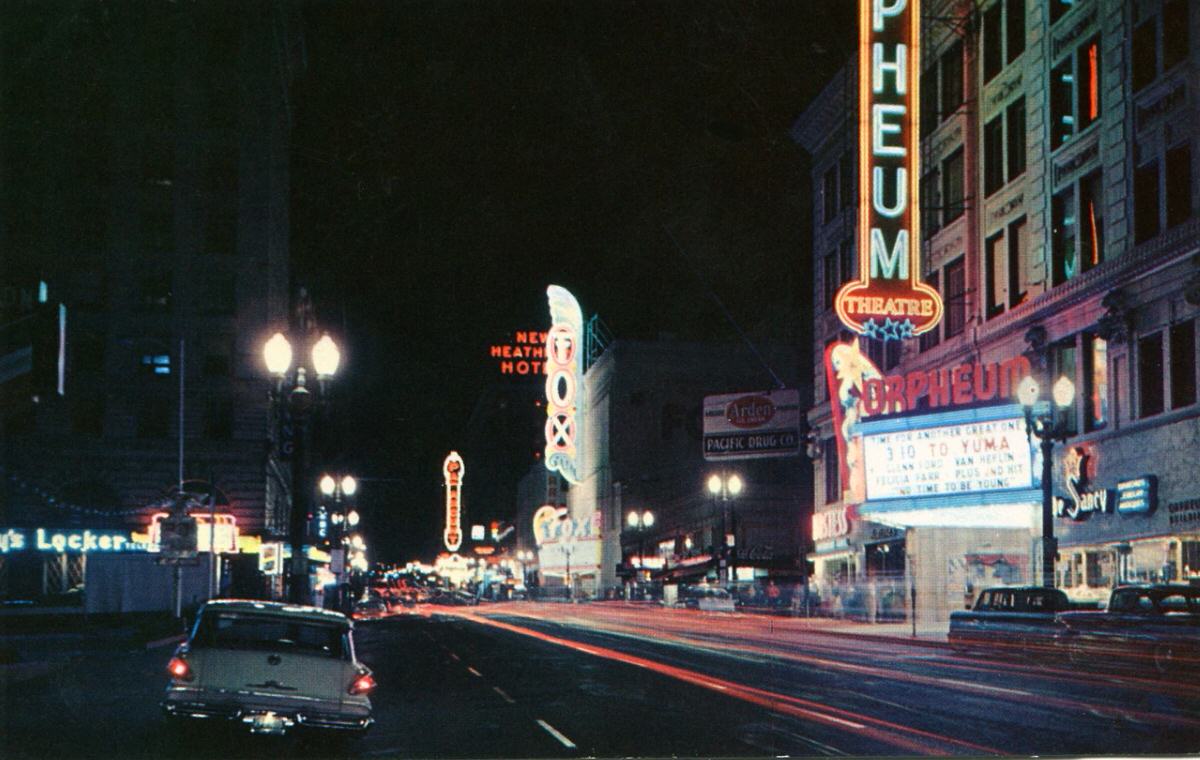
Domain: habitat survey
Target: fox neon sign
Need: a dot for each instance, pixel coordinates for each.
(888, 301)
(564, 383)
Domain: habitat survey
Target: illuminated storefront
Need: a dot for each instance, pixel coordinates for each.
(44, 562)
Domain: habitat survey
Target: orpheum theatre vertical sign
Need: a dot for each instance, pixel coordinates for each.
(888, 301)
(452, 472)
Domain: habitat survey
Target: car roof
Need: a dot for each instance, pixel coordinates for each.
(1023, 588)
(303, 611)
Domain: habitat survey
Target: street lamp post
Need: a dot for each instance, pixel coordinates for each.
(725, 489)
(1049, 426)
(639, 523)
(339, 489)
(292, 384)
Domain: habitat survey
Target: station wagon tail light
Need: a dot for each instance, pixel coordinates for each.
(179, 669)
(362, 684)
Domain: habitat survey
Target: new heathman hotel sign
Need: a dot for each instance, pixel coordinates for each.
(888, 301)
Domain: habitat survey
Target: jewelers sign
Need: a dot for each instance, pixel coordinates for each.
(954, 459)
(752, 425)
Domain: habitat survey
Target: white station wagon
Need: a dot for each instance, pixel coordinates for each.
(270, 666)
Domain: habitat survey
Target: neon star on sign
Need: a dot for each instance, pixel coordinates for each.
(452, 471)
(888, 301)
(564, 383)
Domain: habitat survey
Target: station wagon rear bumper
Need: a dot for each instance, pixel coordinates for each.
(200, 703)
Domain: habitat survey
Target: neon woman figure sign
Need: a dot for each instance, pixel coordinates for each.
(888, 301)
(564, 383)
(452, 471)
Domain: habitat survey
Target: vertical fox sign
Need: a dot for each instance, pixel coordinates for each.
(888, 301)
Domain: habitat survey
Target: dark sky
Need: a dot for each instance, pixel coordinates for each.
(451, 159)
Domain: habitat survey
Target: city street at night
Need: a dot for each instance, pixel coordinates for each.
(613, 680)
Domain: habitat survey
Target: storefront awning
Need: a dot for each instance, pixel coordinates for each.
(994, 509)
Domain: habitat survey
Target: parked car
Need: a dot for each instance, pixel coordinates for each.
(270, 667)
(1009, 620)
(709, 598)
(370, 609)
(1143, 625)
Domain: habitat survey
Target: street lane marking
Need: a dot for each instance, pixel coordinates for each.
(501, 692)
(474, 671)
(556, 734)
(455, 657)
(984, 687)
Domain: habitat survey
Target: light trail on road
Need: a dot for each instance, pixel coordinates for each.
(906, 738)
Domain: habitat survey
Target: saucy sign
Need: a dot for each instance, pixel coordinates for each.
(888, 301)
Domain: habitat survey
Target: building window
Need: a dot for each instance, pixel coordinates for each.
(832, 279)
(1059, 8)
(891, 354)
(1016, 138)
(845, 184)
(1018, 248)
(874, 350)
(1150, 375)
(931, 212)
(1182, 352)
(846, 264)
(951, 64)
(833, 473)
(829, 195)
(1014, 24)
(996, 272)
(953, 186)
(993, 155)
(934, 336)
(1145, 202)
(956, 297)
(993, 41)
(1077, 228)
(1004, 147)
(1075, 93)
(1146, 63)
(1095, 369)
(1062, 364)
(1179, 184)
(942, 88)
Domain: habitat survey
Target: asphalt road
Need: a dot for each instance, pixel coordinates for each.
(525, 680)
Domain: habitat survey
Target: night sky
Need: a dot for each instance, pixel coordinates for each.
(451, 159)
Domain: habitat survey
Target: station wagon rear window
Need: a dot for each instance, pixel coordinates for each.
(229, 630)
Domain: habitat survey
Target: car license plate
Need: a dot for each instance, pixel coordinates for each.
(269, 723)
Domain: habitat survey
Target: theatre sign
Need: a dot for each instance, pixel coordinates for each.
(888, 301)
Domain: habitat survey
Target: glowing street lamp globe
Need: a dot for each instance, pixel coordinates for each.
(647, 519)
(352, 518)
(326, 357)
(277, 353)
(1028, 391)
(632, 520)
(349, 485)
(734, 484)
(1064, 391)
(714, 484)
(328, 485)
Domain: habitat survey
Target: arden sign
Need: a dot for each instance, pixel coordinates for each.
(752, 425)
(954, 459)
(888, 301)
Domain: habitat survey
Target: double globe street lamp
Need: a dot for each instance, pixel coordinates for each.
(726, 488)
(291, 384)
(640, 523)
(343, 520)
(1050, 423)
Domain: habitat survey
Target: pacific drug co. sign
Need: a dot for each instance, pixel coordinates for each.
(888, 301)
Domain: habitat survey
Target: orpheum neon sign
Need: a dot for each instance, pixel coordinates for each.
(564, 383)
(452, 471)
(888, 301)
